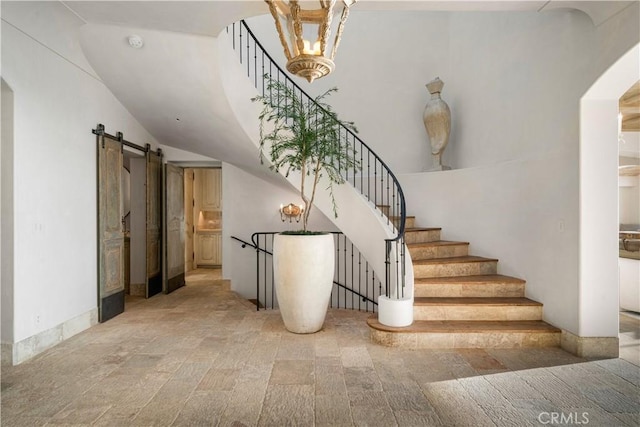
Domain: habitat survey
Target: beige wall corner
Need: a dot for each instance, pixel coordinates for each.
(590, 347)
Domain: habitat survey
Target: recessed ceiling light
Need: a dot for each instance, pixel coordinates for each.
(135, 41)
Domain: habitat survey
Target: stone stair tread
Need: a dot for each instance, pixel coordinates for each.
(453, 260)
(468, 280)
(476, 301)
(436, 243)
(408, 230)
(468, 326)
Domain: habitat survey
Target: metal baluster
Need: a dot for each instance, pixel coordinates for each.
(360, 279)
(345, 270)
(255, 64)
(273, 279)
(375, 181)
(354, 159)
(262, 72)
(361, 169)
(352, 278)
(368, 175)
(338, 264)
(403, 266)
(248, 53)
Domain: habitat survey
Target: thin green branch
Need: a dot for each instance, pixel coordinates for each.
(304, 136)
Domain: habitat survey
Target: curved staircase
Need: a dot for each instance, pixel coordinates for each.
(461, 302)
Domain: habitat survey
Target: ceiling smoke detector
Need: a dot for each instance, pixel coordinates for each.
(135, 41)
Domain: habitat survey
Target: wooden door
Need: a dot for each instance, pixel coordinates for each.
(189, 202)
(154, 223)
(110, 234)
(174, 226)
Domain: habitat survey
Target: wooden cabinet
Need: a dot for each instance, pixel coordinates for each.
(207, 217)
(209, 249)
(209, 185)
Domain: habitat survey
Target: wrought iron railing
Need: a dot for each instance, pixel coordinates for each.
(370, 175)
(355, 285)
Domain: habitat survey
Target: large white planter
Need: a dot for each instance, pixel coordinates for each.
(303, 273)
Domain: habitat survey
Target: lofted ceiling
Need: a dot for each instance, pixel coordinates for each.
(172, 86)
(210, 17)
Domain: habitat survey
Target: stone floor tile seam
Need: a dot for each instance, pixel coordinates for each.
(614, 383)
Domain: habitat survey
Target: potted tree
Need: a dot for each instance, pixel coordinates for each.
(302, 136)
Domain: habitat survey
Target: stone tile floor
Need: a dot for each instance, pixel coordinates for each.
(630, 337)
(204, 357)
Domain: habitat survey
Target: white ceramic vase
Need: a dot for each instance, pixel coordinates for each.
(303, 267)
(437, 121)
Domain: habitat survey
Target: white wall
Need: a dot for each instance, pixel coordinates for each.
(514, 83)
(629, 199)
(6, 231)
(501, 72)
(252, 205)
(521, 212)
(598, 278)
(630, 145)
(58, 100)
(182, 157)
(629, 186)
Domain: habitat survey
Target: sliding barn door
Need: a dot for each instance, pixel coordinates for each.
(110, 234)
(154, 223)
(175, 227)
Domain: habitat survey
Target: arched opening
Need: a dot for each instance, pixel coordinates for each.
(598, 308)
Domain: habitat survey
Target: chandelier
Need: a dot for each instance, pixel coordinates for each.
(306, 42)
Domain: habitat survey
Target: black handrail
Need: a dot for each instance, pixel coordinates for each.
(387, 194)
(268, 286)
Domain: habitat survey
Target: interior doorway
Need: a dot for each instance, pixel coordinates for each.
(629, 220)
(599, 291)
(134, 224)
(203, 213)
(130, 222)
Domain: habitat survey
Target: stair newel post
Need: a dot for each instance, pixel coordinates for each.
(256, 245)
(387, 264)
(402, 264)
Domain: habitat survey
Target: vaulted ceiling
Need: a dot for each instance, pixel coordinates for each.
(169, 85)
(210, 17)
